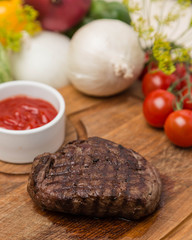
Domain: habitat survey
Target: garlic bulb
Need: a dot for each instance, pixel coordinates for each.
(104, 58)
(43, 58)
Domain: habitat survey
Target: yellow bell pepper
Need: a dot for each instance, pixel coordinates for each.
(15, 18)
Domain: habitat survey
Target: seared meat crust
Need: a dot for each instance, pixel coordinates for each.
(95, 177)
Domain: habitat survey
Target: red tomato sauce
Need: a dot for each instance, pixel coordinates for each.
(23, 113)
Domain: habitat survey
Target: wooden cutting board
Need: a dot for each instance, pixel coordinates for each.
(119, 119)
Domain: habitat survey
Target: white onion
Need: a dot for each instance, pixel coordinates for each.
(104, 57)
(43, 58)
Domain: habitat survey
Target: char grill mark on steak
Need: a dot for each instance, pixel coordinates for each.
(95, 177)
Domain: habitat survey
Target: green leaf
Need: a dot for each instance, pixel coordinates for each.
(101, 9)
(5, 72)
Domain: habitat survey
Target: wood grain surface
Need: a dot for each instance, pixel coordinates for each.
(119, 119)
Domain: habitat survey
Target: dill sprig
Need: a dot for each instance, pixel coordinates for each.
(163, 50)
(184, 3)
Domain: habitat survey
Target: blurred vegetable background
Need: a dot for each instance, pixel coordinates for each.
(101, 9)
(152, 20)
(58, 42)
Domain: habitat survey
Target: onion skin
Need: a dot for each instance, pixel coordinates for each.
(60, 15)
(104, 58)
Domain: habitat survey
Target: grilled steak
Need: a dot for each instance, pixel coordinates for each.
(95, 177)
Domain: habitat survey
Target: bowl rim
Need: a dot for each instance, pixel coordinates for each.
(55, 92)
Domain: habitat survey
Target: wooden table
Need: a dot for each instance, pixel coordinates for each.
(119, 119)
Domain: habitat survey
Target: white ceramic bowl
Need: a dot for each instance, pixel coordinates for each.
(21, 146)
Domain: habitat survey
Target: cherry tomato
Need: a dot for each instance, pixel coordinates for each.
(179, 73)
(178, 128)
(147, 68)
(183, 83)
(180, 70)
(157, 106)
(149, 65)
(187, 103)
(156, 80)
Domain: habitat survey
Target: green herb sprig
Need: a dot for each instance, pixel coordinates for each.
(165, 52)
(160, 49)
